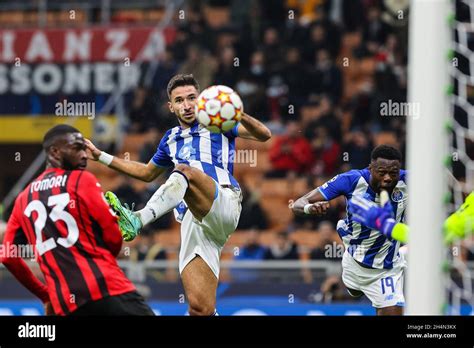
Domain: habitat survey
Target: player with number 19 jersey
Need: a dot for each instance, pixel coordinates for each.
(367, 246)
(76, 239)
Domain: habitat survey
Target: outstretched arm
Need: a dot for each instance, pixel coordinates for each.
(311, 203)
(316, 202)
(145, 172)
(251, 128)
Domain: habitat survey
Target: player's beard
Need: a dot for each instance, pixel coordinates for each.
(67, 165)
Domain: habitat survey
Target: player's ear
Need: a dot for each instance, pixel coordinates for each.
(53, 152)
(170, 106)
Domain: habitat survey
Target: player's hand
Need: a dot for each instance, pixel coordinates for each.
(93, 150)
(319, 208)
(48, 309)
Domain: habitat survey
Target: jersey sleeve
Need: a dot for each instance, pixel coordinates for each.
(233, 133)
(20, 270)
(90, 192)
(340, 185)
(162, 158)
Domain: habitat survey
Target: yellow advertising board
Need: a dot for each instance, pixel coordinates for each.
(20, 129)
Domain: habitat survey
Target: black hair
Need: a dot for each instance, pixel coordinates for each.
(53, 133)
(181, 80)
(386, 152)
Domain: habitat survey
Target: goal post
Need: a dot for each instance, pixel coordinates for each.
(427, 148)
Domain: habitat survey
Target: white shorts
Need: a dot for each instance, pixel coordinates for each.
(207, 238)
(383, 287)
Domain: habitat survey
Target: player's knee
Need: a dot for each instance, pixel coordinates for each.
(198, 307)
(186, 170)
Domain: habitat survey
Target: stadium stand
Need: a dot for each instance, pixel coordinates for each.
(325, 65)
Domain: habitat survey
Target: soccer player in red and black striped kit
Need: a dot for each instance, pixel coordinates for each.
(75, 235)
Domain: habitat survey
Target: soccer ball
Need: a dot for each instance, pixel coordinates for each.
(219, 108)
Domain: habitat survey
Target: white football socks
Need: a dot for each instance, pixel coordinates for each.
(167, 197)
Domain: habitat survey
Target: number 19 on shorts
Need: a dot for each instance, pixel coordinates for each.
(387, 283)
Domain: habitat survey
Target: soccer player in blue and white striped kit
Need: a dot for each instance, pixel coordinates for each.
(201, 187)
(372, 264)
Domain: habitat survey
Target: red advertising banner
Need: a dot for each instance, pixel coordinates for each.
(78, 61)
(106, 44)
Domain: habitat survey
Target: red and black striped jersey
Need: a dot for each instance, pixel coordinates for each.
(75, 236)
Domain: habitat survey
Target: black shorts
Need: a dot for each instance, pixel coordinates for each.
(130, 303)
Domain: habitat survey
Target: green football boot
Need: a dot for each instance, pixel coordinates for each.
(129, 224)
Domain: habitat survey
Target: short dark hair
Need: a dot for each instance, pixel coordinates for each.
(181, 80)
(56, 131)
(386, 152)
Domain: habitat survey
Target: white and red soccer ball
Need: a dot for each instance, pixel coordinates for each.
(219, 108)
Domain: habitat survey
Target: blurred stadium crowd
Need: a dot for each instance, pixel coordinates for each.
(317, 72)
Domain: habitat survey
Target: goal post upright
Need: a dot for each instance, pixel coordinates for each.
(428, 78)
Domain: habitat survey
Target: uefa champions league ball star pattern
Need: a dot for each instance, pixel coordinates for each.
(219, 108)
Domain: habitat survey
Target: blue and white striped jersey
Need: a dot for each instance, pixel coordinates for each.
(197, 147)
(209, 152)
(367, 246)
